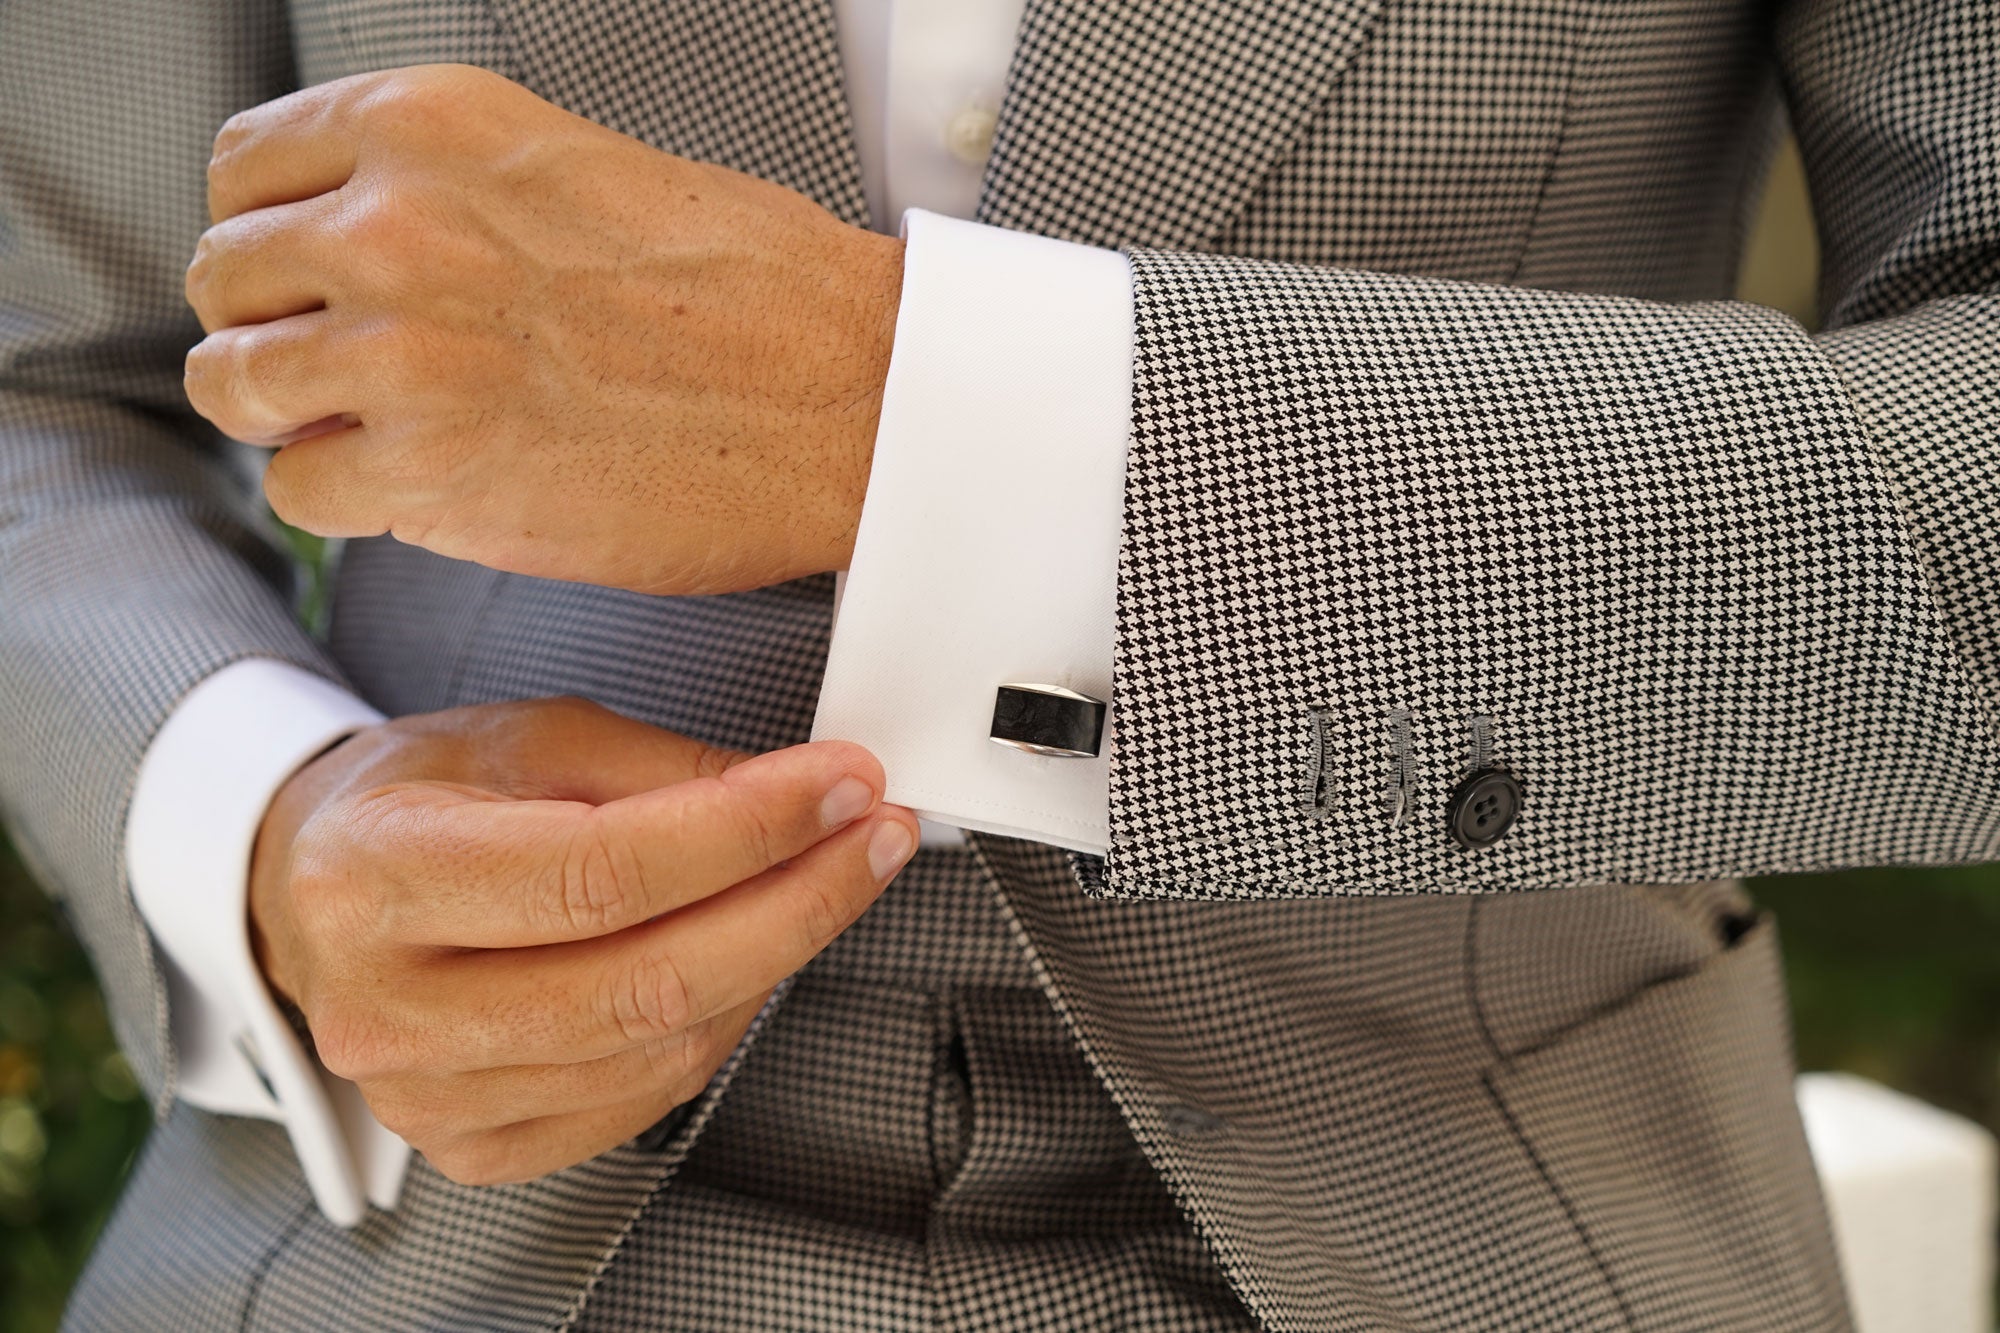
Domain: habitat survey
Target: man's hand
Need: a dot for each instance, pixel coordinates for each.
(528, 931)
(499, 331)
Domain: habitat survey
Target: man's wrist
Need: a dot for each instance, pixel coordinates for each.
(266, 913)
(876, 284)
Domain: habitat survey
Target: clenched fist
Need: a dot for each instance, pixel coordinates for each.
(497, 330)
(528, 931)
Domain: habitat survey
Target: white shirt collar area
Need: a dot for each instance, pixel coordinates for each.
(924, 82)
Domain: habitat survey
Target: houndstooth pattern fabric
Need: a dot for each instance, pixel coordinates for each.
(131, 564)
(217, 1230)
(1709, 718)
(1338, 491)
(1752, 624)
(1359, 1101)
(963, 1167)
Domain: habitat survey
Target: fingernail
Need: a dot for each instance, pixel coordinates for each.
(849, 797)
(888, 847)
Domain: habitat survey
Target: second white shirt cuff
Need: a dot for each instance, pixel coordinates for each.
(197, 804)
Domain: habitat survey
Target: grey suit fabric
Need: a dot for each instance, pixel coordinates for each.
(1726, 593)
(1723, 591)
(960, 1167)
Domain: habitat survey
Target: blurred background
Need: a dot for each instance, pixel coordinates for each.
(1894, 974)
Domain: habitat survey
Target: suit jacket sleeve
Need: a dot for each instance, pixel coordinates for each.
(132, 560)
(1722, 596)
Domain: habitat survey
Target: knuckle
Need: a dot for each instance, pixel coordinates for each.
(409, 1117)
(229, 140)
(378, 225)
(238, 382)
(477, 1160)
(198, 379)
(330, 905)
(751, 823)
(238, 373)
(265, 362)
(595, 873)
(666, 1059)
(712, 761)
(822, 911)
(755, 834)
(245, 124)
(201, 275)
(404, 92)
(650, 1000)
(413, 100)
(693, 1063)
(231, 135)
(308, 490)
(290, 496)
(350, 1039)
(337, 905)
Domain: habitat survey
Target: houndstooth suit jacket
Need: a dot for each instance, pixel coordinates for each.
(1437, 416)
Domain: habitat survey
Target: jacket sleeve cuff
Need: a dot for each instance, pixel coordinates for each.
(1439, 586)
(988, 544)
(200, 796)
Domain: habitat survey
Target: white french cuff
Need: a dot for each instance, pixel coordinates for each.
(201, 793)
(987, 552)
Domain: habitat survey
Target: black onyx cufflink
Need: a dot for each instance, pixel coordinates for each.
(1048, 719)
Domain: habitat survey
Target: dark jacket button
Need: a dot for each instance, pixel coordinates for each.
(1483, 806)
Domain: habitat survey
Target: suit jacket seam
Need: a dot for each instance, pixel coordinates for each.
(1562, 1200)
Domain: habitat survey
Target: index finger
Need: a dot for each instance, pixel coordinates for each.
(489, 873)
(291, 148)
(587, 999)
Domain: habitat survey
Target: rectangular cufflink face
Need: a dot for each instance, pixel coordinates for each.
(1049, 720)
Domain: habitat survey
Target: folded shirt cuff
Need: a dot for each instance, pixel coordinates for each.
(988, 546)
(201, 793)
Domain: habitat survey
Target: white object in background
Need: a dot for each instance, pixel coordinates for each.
(1911, 1190)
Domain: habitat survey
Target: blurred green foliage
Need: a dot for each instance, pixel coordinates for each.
(1895, 974)
(71, 1117)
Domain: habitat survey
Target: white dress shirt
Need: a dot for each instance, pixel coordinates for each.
(986, 553)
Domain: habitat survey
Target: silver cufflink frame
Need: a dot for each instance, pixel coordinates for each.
(1049, 720)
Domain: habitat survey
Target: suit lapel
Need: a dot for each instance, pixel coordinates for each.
(1150, 124)
(751, 84)
(1122, 125)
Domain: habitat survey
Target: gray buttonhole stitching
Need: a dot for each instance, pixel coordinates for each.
(1402, 767)
(1319, 802)
(1481, 727)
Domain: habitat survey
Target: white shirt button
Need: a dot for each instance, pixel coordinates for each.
(969, 135)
